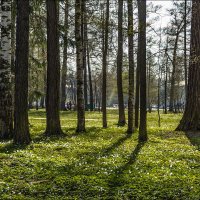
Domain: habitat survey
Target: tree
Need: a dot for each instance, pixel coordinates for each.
(80, 68)
(64, 67)
(131, 68)
(191, 117)
(142, 65)
(6, 108)
(21, 128)
(53, 71)
(104, 68)
(121, 121)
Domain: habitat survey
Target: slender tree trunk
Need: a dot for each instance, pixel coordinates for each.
(53, 71)
(166, 70)
(149, 85)
(21, 128)
(104, 68)
(80, 69)
(6, 106)
(64, 68)
(137, 94)
(84, 39)
(191, 116)
(172, 89)
(142, 64)
(121, 121)
(90, 80)
(131, 68)
(13, 28)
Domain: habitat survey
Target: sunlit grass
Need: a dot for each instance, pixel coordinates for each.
(102, 163)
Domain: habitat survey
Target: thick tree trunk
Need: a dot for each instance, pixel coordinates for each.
(104, 68)
(121, 121)
(142, 65)
(64, 67)
(191, 116)
(53, 71)
(131, 69)
(80, 69)
(21, 128)
(6, 107)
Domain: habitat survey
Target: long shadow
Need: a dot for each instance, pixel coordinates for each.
(194, 138)
(117, 178)
(119, 142)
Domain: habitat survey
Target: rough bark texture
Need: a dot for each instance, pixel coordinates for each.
(64, 67)
(80, 69)
(21, 128)
(121, 121)
(6, 107)
(137, 94)
(53, 71)
(191, 116)
(131, 68)
(104, 67)
(142, 65)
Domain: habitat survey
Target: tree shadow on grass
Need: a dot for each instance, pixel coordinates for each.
(117, 179)
(11, 148)
(194, 138)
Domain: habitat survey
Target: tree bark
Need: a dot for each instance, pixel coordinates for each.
(142, 65)
(137, 94)
(131, 69)
(104, 68)
(64, 67)
(21, 128)
(121, 121)
(53, 71)
(80, 69)
(191, 116)
(6, 106)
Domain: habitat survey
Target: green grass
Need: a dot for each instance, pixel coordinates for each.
(102, 163)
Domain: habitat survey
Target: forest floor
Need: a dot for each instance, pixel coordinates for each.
(102, 163)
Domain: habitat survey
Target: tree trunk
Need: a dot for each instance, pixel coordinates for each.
(137, 94)
(80, 69)
(104, 68)
(84, 41)
(191, 116)
(142, 64)
(64, 67)
(90, 80)
(21, 128)
(131, 68)
(172, 89)
(6, 108)
(53, 71)
(121, 121)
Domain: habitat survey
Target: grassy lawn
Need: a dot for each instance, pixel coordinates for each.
(102, 163)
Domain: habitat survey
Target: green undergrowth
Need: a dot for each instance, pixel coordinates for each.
(102, 163)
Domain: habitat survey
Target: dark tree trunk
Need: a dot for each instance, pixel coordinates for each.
(53, 71)
(64, 67)
(6, 106)
(21, 128)
(185, 48)
(121, 121)
(104, 68)
(142, 65)
(137, 94)
(191, 116)
(84, 41)
(131, 68)
(90, 80)
(80, 69)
